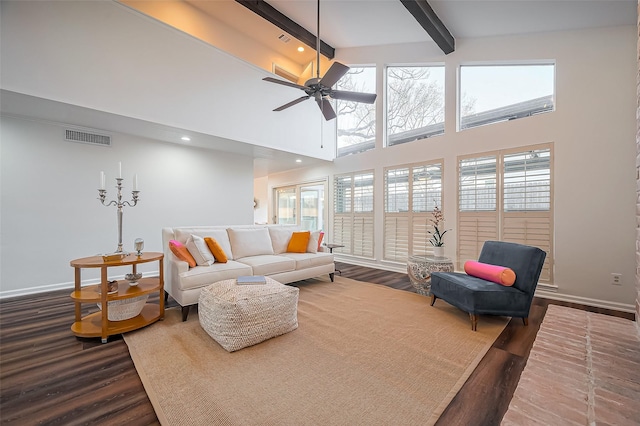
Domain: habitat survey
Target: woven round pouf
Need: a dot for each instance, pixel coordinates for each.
(241, 315)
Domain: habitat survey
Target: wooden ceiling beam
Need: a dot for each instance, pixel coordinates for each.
(427, 18)
(271, 14)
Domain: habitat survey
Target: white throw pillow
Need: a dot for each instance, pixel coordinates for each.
(280, 238)
(200, 251)
(313, 242)
(249, 242)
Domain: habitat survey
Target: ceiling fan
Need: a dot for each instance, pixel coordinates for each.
(320, 88)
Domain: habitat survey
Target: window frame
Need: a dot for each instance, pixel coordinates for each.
(353, 227)
(434, 129)
(498, 224)
(485, 120)
(364, 145)
(406, 233)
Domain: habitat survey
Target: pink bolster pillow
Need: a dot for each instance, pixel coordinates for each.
(497, 274)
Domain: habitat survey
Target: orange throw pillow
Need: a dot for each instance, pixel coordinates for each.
(216, 250)
(299, 242)
(181, 252)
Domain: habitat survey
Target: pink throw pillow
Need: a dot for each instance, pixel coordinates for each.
(181, 252)
(497, 274)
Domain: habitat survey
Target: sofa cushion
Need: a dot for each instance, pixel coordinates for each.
(299, 242)
(249, 242)
(280, 237)
(219, 234)
(199, 250)
(201, 276)
(308, 260)
(269, 264)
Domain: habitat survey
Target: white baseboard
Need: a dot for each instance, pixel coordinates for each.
(544, 290)
(61, 286)
(360, 261)
(622, 307)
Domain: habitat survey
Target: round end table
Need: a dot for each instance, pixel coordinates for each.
(419, 269)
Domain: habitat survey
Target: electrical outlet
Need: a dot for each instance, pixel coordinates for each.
(616, 279)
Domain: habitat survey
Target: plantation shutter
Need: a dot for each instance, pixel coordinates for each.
(477, 206)
(426, 195)
(411, 193)
(362, 235)
(342, 230)
(342, 213)
(396, 218)
(507, 196)
(527, 202)
(353, 214)
(419, 236)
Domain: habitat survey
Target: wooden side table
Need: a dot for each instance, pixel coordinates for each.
(419, 269)
(98, 324)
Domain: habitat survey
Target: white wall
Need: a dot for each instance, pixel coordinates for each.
(50, 212)
(261, 195)
(593, 131)
(105, 56)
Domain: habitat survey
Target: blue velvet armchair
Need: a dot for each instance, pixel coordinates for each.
(480, 297)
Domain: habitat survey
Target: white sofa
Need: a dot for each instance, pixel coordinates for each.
(250, 249)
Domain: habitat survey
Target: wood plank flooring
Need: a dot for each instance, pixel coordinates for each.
(49, 376)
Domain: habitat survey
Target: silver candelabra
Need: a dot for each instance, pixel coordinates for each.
(119, 204)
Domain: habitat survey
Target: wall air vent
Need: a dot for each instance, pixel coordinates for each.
(284, 38)
(87, 137)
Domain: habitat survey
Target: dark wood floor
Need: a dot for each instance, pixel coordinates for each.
(49, 376)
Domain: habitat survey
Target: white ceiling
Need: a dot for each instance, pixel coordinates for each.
(357, 23)
(349, 23)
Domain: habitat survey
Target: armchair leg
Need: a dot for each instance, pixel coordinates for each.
(525, 321)
(331, 275)
(474, 321)
(166, 297)
(433, 299)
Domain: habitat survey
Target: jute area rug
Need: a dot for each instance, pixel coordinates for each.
(363, 354)
(583, 369)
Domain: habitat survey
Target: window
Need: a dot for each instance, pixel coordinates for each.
(410, 195)
(356, 122)
(353, 213)
(308, 199)
(495, 93)
(506, 196)
(415, 103)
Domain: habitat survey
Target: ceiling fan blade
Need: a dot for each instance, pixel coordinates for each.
(326, 108)
(334, 74)
(292, 103)
(367, 98)
(284, 83)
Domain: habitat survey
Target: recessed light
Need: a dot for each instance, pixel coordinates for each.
(300, 49)
(186, 138)
(298, 160)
